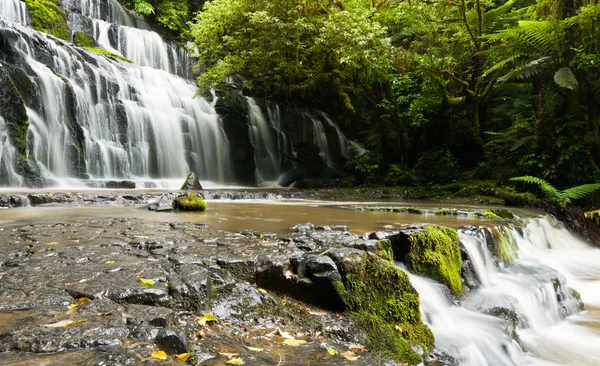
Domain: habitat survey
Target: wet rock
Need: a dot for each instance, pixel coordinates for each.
(163, 203)
(155, 316)
(172, 341)
(142, 296)
(191, 183)
(237, 302)
(303, 228)
(378, 235)
(440, 358)
(191, 286)
(124, 184)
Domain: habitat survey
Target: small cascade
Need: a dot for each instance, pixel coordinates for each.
(15, 11)
(523, 313)
(274, 137)
(8, 155)
(264, 138)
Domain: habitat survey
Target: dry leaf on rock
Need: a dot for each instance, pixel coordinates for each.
(146, 282)
(235, 361)
(349, 355)
(294, 342)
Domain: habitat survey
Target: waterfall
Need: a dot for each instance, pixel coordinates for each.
(102, 119)
(274, 135)
(15, 11)
(529, 297)
(8, 154)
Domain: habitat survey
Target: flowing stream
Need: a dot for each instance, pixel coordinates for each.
(547, 260)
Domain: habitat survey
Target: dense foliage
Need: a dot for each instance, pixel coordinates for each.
(436, 90)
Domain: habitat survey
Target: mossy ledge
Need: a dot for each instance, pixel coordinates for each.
(191, 202)
(102, 51)
(433, 252)
(48, 17)
(381, 300)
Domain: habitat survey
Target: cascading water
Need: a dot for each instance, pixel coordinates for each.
(536, 319)
(104, 120)
(7, 154)
(271, 140)
(15, 11)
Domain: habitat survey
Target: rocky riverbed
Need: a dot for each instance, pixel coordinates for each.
(116, 291)
(125, 290)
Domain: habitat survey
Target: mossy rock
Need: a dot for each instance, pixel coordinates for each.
(190, 202)
(48, 17)
(81, 39)
(433, 252)
(381, 300)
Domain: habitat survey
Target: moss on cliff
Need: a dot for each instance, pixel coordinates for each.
(81, 39)
(435, 253)
(48, 17)
(381, 300)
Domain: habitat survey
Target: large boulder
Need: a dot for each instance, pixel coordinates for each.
(431, 251)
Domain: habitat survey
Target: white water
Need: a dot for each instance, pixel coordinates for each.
(7, 154)
(526, 286)
(15, 11)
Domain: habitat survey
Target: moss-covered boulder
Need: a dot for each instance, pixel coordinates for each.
(191, 202)
(382, 301)
(48, 17)
(81, 39)
(431, 251)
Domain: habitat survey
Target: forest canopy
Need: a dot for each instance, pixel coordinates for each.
(435, 90)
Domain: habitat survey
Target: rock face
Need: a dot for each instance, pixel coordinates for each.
(191, 183)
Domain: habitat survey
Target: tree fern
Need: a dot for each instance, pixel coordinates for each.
(563, 197)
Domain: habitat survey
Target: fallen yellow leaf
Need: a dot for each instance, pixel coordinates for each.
(235, 361)
(254, 349)
(146, 282)
(229, 355)
(332, 351)
(318, 313)
(183, 356)
(159, 355)
(398, 328)
(294, 342)
(105, 313)
(206, 318)
(350, 356)
(263, 291)
(52, 243)
(109, 262)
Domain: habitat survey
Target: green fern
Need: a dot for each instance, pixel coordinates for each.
(563, 197)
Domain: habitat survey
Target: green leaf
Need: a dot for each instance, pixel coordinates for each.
(565, 78)
(332, 351)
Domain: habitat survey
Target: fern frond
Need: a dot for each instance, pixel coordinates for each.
(582, 191)
(501, 64)
(545, 35)
(548, 189)
(526, 71)
(565, 78)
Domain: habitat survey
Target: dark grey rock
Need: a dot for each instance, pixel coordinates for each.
(172, 341)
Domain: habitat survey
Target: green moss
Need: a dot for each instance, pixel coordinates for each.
(414, 210)
(435, 253)
(488, 214)
(81, 39)
(504, 213)
(48, 17)
(382, 301)
(504, 247)
(190, 202)
(384, 249)
(102, 51)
